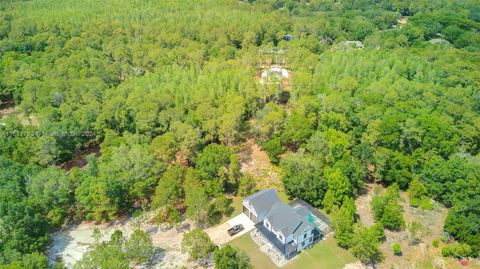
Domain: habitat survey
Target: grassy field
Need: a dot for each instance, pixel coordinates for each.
(324, 255)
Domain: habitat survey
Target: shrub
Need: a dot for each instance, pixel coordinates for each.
(174, 216)
(230, 258)
(425, 204)
(397, 249)
(365, 245)
(415, 230)
(139, 247)
(273, 147)
(379, 231)
(392, 217)
(219, 207)
(462, 250)
(435, 243)
(246, 185)
(418, 195)
(447, 251)
(169, 214)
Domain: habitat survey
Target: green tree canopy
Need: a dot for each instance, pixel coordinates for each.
(366, 245)
(228, 257)
(170, 187)
(197, 244)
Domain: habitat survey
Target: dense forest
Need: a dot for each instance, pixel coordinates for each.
(167, 89)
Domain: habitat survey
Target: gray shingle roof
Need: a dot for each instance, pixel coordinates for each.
(287, 220)
(302, 211)
(263, 201)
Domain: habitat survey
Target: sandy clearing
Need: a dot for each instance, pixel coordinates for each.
(363, 205)
(11, 109)
(256, 162)
(419, 255)
(72, 242)
(403, 20)
(356, 265)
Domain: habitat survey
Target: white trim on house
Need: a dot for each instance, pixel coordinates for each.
(281, 237)
(252, 214)
(302, 241)
(250, 207)
(267, 224)
(285, 226)
(259, 204)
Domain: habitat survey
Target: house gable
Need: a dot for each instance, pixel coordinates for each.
(287, 228)
(260, 203)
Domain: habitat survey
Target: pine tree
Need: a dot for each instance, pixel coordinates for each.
(339, 189)
(343, 221)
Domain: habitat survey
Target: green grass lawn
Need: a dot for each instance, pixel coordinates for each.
(257, 258)
(323, 255)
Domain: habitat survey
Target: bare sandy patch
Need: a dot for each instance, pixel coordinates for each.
(256, 162)
(422, 254)
(356, 265)
(363, 205)
(10, 109)
(419, 255)
(403, 20)
(71, 243)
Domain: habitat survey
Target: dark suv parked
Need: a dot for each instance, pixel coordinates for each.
(235, 229)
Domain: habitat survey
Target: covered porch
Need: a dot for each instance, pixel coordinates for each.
(289, 250)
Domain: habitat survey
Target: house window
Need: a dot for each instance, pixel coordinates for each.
(280, 237)
(303, 244)
(267, 225)
(310, 240)
(312, 232)
(304, 236)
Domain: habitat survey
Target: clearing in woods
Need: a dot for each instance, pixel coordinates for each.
(255, 162)
(420, 255)
(80, 160)
(9, 108)
(403, 20)
(71, 243)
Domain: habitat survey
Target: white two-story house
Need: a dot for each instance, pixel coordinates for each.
(288, 229)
